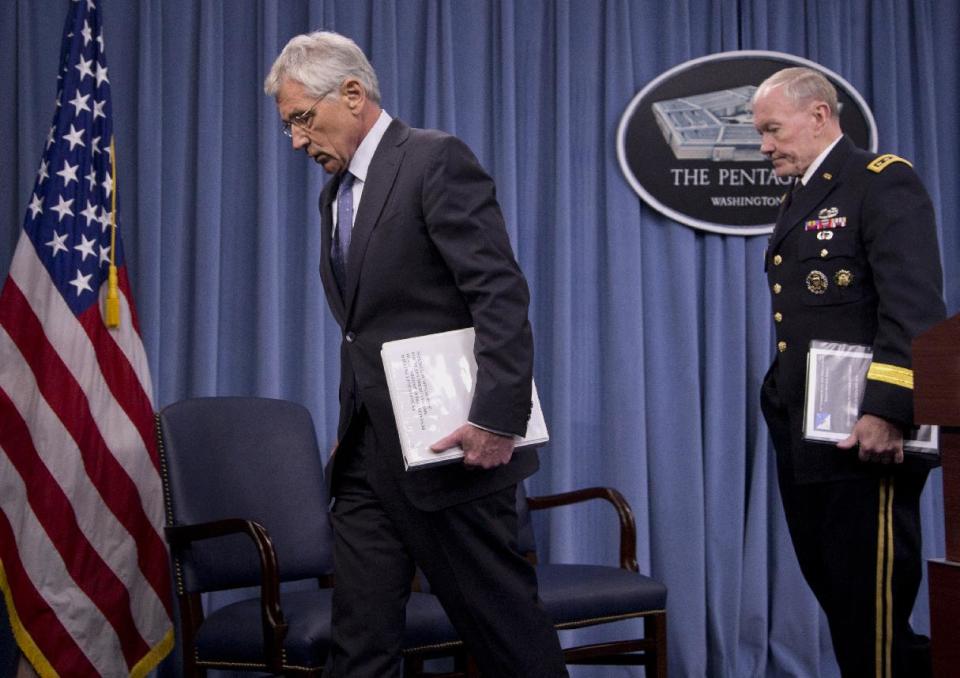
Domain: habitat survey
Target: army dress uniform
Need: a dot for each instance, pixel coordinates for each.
(854, 258)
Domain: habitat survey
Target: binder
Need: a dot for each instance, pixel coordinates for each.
(431, 379)
(836, 380)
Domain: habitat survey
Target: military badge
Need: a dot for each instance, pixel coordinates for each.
(824, 235)
(828, 218)
(817, 282)
(843, 278)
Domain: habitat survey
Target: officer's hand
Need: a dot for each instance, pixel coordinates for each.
(879, 440)
(480, 448)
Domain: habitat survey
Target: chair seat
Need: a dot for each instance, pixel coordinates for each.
(575, 594)
(227, 636)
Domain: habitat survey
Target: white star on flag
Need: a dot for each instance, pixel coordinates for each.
(69, 172)
(101, 74)
(79, 103)
(58, 243)
(90, 213)
(105, 217)
(84, 67)
(75, 137)
(36, 205)
(63, 208)
(86, 247)
(82, 282)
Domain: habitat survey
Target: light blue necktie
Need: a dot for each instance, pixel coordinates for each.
(341, 236)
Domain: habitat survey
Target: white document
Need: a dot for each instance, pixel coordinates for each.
(836, 380)
(431, 381)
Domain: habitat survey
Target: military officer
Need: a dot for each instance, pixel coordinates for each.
(854, 259)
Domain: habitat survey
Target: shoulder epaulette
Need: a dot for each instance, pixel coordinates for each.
(884, 161)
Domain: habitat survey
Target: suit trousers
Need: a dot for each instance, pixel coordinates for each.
(858, 542)
(468, 553)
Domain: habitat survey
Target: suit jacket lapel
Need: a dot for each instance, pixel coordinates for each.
(334, 297)
(381, 176)
(821, 183)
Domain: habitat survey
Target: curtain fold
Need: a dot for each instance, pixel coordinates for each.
(651, 338)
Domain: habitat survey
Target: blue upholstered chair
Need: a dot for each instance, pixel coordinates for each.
(247, 507)
(578, 596)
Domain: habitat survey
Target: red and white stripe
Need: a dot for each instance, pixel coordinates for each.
(85, 568)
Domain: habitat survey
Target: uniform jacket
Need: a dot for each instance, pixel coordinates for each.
(853, 258)
(429, 253)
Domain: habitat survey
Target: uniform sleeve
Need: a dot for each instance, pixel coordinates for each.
(466, 225)
(900, 239)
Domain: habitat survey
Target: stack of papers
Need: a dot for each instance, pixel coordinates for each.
(431, 380)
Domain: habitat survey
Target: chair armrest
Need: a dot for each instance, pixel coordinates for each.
(628, 526)
(274, 626)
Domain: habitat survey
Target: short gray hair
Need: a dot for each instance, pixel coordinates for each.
(801, 85)
(321, 61)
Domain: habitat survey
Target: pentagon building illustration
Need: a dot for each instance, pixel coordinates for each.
(712, 126)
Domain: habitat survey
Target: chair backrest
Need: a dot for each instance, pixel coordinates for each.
(249, 458)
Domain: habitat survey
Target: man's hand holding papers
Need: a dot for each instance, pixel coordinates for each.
(482, 448)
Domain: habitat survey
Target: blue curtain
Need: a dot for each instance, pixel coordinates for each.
(651, 337)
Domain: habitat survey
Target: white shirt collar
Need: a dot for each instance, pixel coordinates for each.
(819, 161)
(364, 153)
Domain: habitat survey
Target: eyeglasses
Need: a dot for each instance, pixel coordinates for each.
(302, 119)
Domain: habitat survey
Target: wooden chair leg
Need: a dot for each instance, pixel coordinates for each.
(465, 666)
(655, 628)
(412, 667)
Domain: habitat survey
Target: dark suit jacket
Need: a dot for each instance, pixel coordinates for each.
(429, 253)
(853, 258)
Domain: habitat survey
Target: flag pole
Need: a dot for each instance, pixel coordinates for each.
(112, 304)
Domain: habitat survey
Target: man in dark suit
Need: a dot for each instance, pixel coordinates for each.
(427, 251)
(853, 259)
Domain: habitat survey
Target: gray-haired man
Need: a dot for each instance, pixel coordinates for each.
(413, 243)
(853, 259)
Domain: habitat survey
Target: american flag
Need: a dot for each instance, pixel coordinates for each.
(83, 566)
